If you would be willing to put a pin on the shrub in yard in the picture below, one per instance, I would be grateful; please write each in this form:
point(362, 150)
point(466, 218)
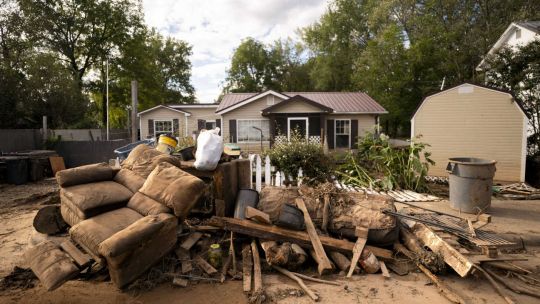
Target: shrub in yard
point(378, 165)
point(298, 153)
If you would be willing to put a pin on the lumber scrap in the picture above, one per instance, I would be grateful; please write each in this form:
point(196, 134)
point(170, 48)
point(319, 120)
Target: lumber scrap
point(324, 264)
point(362, 234)
point(191, 240)
point(512, 286)
point(298, 280)
point(301, 238)
point(257, 215)
point(225, 268)
point(180, 282)
point(257, 275)
point(342, 262)
point(308, 278)
point(384, 270)
point(204, 265)
point(461, 264)
point(82, 259)
point(247, 267)
point(496, 286)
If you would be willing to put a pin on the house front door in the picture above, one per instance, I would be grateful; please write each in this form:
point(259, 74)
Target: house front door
point(298, 124)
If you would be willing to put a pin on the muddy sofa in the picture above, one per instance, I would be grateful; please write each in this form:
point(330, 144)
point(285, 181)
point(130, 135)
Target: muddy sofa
point(123, 219)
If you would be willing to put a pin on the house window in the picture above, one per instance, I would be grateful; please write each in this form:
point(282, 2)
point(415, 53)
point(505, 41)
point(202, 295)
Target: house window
point(343, 133)
point(210, 125)
point(247, 132)
point(518, 33)
point(162, 127)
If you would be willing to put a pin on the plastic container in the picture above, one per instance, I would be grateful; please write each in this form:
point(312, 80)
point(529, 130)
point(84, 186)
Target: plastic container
point(471, 182)
point(123, 152)
point(245, 198)
point(215, 255)
point(166, 144)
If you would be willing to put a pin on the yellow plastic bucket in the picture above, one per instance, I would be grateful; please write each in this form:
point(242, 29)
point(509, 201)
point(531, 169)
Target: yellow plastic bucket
point(166, 144)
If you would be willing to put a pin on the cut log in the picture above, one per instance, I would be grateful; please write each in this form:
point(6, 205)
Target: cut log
point(428, 258)
point(204, 265)
point(191, 240)
point(257, 215)
point(82, 259)
point(301, 238)
point(323, 261)
point(342, 262)
point(361, 233)
point(48, 220)
point(257, 275)
point(247, 265)
point(369, 262)
point(293, 277)
point(286, 254)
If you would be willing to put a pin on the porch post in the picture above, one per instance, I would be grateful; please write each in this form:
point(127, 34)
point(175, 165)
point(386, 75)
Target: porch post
point(272, 129)
point(323, 128)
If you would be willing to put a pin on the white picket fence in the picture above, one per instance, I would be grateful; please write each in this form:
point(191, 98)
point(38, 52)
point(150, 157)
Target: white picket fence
point(269, 173)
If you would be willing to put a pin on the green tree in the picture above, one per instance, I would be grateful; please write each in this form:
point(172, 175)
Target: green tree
point(518, 71)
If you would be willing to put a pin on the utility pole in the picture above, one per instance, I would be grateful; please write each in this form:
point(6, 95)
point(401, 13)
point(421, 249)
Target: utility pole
point(107, 95)
point(134, 104)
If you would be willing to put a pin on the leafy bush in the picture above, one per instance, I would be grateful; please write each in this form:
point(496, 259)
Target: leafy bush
point(378, 165)
point(298, 153)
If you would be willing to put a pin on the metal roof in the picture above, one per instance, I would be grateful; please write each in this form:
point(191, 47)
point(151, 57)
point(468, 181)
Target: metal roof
point(530, 25)
point(339, 102)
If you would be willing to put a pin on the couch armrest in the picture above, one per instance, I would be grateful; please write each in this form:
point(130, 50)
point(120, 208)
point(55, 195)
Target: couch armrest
point(134, 235)
point(84, 175)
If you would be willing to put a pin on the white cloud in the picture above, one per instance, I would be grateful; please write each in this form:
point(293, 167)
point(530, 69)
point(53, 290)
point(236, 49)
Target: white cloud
point(215, 28)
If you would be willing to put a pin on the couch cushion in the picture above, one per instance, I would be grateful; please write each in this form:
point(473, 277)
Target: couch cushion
point(146, 206)
point(69, 216)
point(129, 179)
point(88, 200)
point(84, 175)
point(173, 187)
point(91, 232)
point(143, 159)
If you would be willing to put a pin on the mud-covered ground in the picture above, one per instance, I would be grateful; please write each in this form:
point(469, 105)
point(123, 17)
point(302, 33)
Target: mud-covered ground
point(19, 204)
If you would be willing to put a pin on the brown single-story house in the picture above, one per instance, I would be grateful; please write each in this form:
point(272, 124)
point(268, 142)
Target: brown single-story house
point(474, 121)
point(337, 117)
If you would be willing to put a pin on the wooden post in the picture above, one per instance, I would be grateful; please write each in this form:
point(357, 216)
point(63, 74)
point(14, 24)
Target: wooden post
point(322, 259)
point(361, 233)
point(257, 275)
point(134, 109)
point(247, 265)
point(267, 173)
point(258, 174)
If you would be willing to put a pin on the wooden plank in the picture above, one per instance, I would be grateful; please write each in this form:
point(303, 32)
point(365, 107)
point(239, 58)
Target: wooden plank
point(257, 274)
point(204, 265)
point(180, 282)
point(57, 163)
point(384, 270)
point(82, 259)
point(361, 233)
point(322, 259)
point(301, 238)
point(191, 240)
point(247, 267)
point(257, 215)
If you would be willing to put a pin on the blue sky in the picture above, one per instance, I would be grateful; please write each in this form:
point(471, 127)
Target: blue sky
point(214, 28)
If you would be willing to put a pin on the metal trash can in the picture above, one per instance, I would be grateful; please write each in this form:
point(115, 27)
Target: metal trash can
point(471, 181)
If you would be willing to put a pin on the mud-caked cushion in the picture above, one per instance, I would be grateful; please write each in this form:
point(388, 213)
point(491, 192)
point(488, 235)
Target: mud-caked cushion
point(91, 232)
point(89, 200)
point(174, 188)
point(146, 206)
point(84, 175)
point(129, 179)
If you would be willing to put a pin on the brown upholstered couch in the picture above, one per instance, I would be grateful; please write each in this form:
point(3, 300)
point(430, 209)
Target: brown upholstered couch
point(124, 219)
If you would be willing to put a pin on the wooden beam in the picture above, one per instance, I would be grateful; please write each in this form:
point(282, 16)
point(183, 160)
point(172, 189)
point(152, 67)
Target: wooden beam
point(205, 266)
point(301, 238)
point(323, 261)
point(257, 216)
point(257, 275)
point(191, 240)
point(362, 234)
point(247, 263)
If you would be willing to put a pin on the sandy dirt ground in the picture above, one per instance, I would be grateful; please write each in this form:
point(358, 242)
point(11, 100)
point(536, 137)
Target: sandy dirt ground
point(18, 206)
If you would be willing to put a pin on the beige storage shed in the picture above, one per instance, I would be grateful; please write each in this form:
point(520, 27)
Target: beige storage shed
point(474, 121)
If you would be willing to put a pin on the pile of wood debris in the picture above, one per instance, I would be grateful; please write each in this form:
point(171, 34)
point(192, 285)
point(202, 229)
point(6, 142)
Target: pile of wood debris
point(225, 248)
point(517, 191)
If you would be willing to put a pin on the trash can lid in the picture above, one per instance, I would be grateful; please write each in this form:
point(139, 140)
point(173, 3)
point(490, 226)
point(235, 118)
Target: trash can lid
point(472, 161)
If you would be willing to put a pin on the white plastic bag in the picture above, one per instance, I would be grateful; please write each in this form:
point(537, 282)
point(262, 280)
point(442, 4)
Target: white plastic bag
point(209, 149)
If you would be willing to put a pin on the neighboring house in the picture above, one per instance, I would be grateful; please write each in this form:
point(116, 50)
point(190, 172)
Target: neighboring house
point(180, 120)
point(337, 117)
point(517, 34)
point(474, 121)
